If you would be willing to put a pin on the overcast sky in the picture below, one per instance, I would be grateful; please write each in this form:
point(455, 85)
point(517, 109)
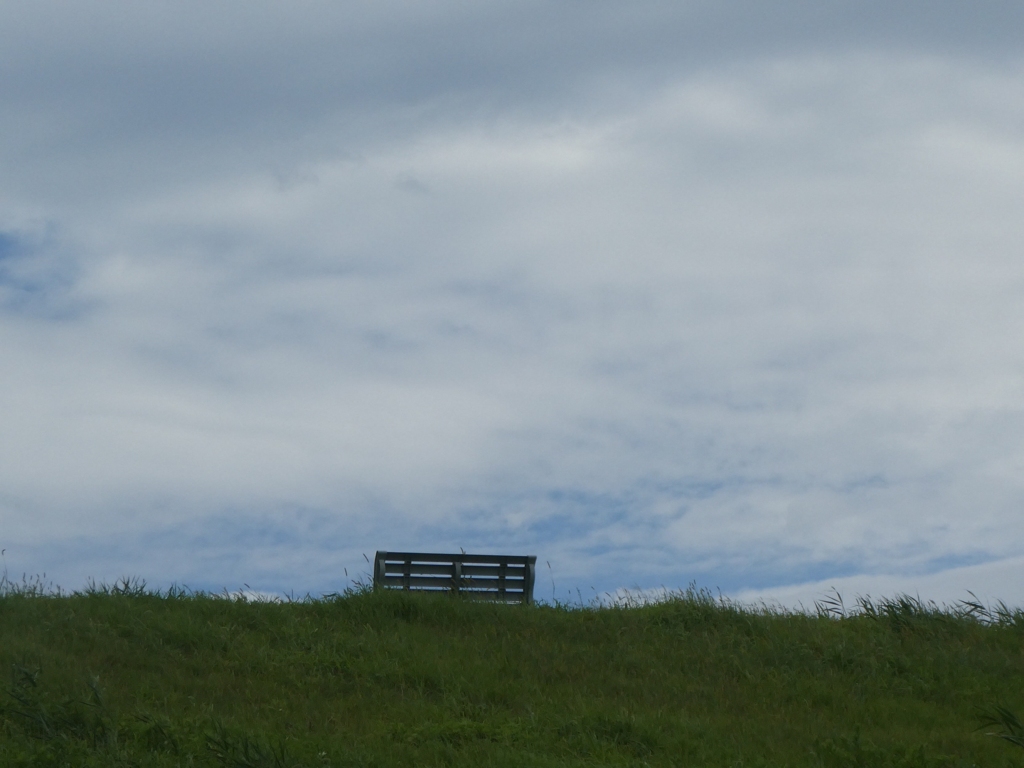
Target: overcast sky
point(661, 292)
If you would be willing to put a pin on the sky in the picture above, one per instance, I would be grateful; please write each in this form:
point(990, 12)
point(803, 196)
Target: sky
point(663, 293)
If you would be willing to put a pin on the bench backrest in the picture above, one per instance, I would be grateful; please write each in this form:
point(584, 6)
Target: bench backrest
point(500, 578)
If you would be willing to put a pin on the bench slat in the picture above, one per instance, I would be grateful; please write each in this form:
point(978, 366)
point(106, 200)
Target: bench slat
point(445, 582)
point(422, 557)
point(511, 572)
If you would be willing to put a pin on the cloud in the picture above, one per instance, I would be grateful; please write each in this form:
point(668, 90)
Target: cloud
point(988, 583)
point(663, 293)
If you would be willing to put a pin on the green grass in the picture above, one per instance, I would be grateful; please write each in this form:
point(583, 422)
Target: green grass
point(122, 676)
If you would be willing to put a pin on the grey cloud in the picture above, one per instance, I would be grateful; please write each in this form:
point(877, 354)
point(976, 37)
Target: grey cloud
point(99, 96)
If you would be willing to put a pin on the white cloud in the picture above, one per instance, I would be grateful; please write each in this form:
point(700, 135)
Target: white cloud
point(988, 584)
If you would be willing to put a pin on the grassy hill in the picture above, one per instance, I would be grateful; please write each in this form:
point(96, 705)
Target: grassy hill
point(121, 676)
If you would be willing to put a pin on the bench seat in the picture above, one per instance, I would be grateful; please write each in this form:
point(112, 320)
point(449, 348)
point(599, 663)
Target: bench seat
point(497, 578)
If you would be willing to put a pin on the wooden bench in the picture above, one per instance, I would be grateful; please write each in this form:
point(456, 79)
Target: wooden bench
point(498, 578)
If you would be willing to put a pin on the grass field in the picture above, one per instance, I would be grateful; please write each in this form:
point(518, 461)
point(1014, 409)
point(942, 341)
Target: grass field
point(125, 677)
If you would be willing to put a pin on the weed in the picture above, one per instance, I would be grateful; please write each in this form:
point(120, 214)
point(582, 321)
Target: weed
point(856, 752)
point(1012, 730)
point(41, 717)
point(239, 750)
